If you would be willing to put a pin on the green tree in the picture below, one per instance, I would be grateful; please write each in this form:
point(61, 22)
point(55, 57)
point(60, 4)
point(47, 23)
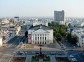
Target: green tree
point(59, 30)
point(72, 38)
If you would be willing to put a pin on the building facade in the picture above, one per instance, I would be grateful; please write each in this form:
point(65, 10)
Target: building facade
point(1, 42)
point(38, 22)
point(7, 33)
point(80, 36)
point(59, 17)
point(40, 34)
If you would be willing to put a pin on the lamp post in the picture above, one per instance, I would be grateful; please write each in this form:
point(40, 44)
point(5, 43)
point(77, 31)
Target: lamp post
point(40, 49)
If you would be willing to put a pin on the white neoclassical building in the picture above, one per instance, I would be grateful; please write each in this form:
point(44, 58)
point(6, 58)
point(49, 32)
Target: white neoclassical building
point(40, 34)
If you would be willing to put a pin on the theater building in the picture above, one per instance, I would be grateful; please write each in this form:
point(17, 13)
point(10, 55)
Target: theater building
point(40, 34)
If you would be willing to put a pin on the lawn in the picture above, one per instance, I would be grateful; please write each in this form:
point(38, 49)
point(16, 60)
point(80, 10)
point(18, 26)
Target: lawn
point(34, 59)
point(46, 59)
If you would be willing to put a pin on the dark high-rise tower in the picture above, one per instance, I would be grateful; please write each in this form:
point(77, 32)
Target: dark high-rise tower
point(59, 16)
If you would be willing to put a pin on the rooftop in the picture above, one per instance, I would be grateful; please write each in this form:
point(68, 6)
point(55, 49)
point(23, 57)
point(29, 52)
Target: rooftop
point(40, 27)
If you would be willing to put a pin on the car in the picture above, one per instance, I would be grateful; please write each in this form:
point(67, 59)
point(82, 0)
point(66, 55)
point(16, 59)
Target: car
point(71, 56)
point(37, 53)
point(74, 59)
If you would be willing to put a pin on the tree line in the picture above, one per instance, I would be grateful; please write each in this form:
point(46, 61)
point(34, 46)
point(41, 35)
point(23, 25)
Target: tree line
point(61, 31)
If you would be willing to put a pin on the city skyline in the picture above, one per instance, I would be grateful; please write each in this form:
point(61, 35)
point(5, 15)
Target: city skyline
point(26, 8)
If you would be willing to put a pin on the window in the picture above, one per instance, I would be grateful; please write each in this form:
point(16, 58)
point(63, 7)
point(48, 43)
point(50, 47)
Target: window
point(35, 35)
point(35, 38)
point(38, 38)
point(35, 42)
point(3, 38)
point(45, 38)
point(43, 35)
point(38, 42)
point(45, 42)
point(38, 35)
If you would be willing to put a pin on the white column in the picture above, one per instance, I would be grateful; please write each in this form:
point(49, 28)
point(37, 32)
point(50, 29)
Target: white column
point(33, 38)
point(1, 41)
point(39, 38)
point(43, 38)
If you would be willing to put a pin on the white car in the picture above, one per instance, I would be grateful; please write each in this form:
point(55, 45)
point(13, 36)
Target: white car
point(71, 56)
point(74, 59)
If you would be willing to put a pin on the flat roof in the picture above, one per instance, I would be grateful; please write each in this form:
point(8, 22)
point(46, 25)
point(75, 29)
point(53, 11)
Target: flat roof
point(40, 27)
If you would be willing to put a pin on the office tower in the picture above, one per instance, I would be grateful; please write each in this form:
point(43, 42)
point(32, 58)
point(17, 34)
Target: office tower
point(59, 16)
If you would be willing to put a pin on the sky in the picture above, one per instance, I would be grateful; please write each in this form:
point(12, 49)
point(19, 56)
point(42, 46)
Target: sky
point(26, 8)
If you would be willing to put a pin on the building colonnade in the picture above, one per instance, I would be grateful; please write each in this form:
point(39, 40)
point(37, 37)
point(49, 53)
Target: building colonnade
point(40, 38)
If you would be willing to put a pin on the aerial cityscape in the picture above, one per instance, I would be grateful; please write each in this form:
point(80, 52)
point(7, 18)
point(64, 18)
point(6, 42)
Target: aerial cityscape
point(41, 31)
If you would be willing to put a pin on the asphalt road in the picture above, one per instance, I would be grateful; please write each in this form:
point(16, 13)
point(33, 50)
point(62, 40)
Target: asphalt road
point(43, 52)
point(7, 52)
point(76, 54)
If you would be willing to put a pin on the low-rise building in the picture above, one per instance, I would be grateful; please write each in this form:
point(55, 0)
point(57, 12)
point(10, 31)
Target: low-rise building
point(5, 20)
point(12, 32)
point(80, 36)
point(1, 43)
point(18, 29)
point(38, 22)
point(5, 33)
point(8, 32)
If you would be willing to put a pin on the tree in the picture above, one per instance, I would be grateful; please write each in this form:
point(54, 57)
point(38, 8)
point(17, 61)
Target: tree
point(26, 34)
point(69, 25)
point(59, 30)
point(72, 38)
point(58, 36)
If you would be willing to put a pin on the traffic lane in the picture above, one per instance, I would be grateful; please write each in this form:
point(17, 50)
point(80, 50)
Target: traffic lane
point(38, 52)
point(50, 52)
point(11, 40)
point(73, 52)
point(78, 55)
point(13, 45)
point(9, 51)
point(68, 44)
point(16, 40)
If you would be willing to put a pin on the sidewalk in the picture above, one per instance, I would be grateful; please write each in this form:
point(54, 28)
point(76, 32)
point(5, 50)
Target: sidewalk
point(28, 58)
point(52, 58)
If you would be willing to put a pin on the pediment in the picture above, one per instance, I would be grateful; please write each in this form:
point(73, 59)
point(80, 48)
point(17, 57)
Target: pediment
point(40, 31)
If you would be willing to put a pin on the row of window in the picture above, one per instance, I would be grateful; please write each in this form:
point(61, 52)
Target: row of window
point(40, 38)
